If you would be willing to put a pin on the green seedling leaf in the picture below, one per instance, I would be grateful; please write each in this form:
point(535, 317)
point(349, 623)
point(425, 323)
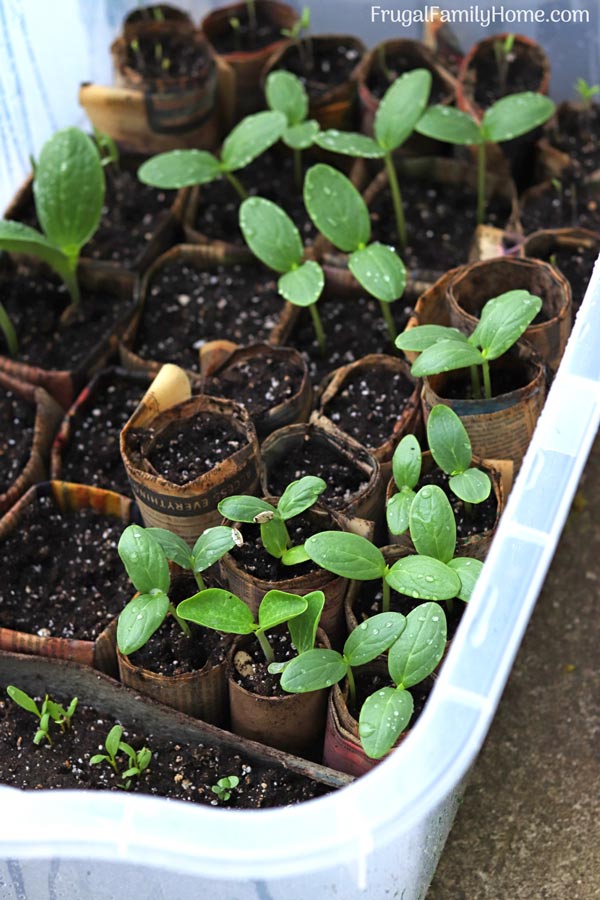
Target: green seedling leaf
point(383, 717)
point(349, 143)
point(446, 356)
point(294, 556)
point(277, 607)
point(373, 637)
point(468, 570)
point(242, 508)
point(444, 123)
point(336, 208)
point(300, 495)
point(401, 108)
point(213, 544)
point(397, 510)
point(423, 577)
point(512, 116)
point(285, 93)
point(144, 758)
point(23, 700)
point(251, 138)
point(503, 320)
point(380, 271)
point(432, 524)
point(144, 560)
point(43, 733)
point(302, 136)
point(180, 168)
point(424, 336)
point(174, 547)
point(113, 740)
point(345, 554)
point(313, 671)
point(217, 609)
point(406, 462)
point(274, 536)
point(18, 238)
point(270, 234)
point(472, 486)
point(448, 440)
point(303, 628)
point(420, 647)
point(140, 619)
point(304, 285)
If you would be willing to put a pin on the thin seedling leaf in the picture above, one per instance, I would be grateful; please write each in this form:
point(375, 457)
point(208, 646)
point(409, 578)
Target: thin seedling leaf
point(446, 356)
point(303, 628)
point(444, 123)
point(313, 671)
point(175, 548)
point(277, 607)
point(212, 544)
point(380, 271)
point(349, 143)
point(180, 168)
point(144, 560)
point(401, 108)
point(448, 440)
point(503, 320)
point(294, 556)
point(373, 637)
point(140, 619)
point(274, 536)
point(432, 524)
point(270, 234)
point(23, 700)
point(242, 508)
point(336, 208)
point(285, 93)
point(420, 647)
point(423, 577)
point(300, 495)
point(424, 336)
point(512, 116)
point(217, 609)
point(406, 462)
point(250, 138)
point(345, 554)
point(397, 510)
point(383, 717)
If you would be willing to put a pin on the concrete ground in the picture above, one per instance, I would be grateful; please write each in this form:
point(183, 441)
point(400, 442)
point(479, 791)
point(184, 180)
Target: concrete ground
point(529, 824)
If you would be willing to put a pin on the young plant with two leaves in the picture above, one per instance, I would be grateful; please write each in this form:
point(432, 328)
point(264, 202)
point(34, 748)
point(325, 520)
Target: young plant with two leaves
point(503, 320)
point(48, 714)
point(286, 94)
point(138, 760)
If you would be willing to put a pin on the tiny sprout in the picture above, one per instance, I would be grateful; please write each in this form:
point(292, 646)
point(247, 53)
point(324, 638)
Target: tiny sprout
point(138, 760)
point(502, 52)
point(450, 447)
point(235, 25)
point(302, 24)
point(107, 147)
point(586, 92)
point(225, 786)
point(50, 712)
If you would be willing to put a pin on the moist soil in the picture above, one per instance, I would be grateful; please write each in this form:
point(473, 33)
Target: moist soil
point(260, 383)
point(166, 56)
point(523, 74)
point(66, 579)
point(245, 38)
point(92, 454)
point(344, 479)
point(176, 771)
point(254, 559)
point(483, 515)
point(577, 135)
point(189, 448)
point(322, 67)
point(370, 598)
point(250, 668)
point(576, 264)
point(369, 404)
point(397, 63)
point(186, 307)
point(16, 437)
point(568, 207)
point(35, 303)
point(354, 327)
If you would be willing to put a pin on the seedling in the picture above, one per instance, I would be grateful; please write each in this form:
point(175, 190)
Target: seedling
point(107, 148)
point(412, 658)
point(138, 760)
point(223, 611)
point(502, 322)
point(251, 12)
point(397, 115)
point(304, 45)
point(225, 786)
point(340, 213)
point(235, 25)
point(406, 471)
point(508, 118)
point(303, 629)
point(68, 189)
point(297, 498)
point(212, 544)
point(275, 240)
point(586, 92)
point(504, 57)
point(286, 94)
point(185, 168)
point(49, 712)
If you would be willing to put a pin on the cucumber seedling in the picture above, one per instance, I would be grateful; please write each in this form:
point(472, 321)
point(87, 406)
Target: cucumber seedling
point(212, 544)
point(286, 94)
point(138, 760)
point(49, 712)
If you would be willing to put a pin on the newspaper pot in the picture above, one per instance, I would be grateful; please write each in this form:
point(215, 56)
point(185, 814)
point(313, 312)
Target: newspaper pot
point(69, 498)
point(247, 65)
point(475, 284)
point(409, 420)
point(334, 107)
point(47, 416)
point(294, 723)
point(548, 244)
point(252, 589)
point(187, 509)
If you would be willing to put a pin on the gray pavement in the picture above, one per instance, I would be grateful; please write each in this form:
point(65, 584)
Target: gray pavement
point(529, 824)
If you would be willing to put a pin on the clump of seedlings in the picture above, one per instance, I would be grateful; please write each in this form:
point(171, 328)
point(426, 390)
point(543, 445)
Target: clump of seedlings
point(138, 760)
point(49, 713)
point(443, 349)
point(286, 94)
point(224, 787)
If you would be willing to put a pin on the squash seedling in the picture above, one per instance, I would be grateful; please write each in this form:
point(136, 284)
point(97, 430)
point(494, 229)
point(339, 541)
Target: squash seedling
point(339, 212)
point(297, 498)
point(286, 94)
point(274, 239)
point(443, 349)
point(508, 118)
point(400, 109)
point(406, 471)
point(212, 544)
point(185, 168)
point(224, 787)
point(138, 760)
point(303, 629)
point(49, 712)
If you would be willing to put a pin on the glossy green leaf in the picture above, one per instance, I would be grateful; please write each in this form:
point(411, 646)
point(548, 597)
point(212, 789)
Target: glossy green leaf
point(180, 168)
point(294, 556)
point(383, 717)
point(401, 108)
point(113, 740)
point(274, 536)
point(472, 486)
point(420, 647)
point(336, 208)
point(175, 548)
point(468, 570)
point(349, 143)
point(285, 93)
point(301, 136)
point(424, 336)
point(313, 671)
point(373, 637)
point(23, 700)
point(242, 508)
point(446, 356)
point(304, 285)
point(303, 628)
point(144, 560)
point(270, 234)
point(423, 577)
point(217, 609)
point(432, 524)
point(300, 495)
point(406, 462)
point(250, 138)
point(345, 554)
point(444, 123)
point(448, 440)
point(212, 544)
point(515, 115)
point(503, 320)
point(140, 619)
point(380, 271)
point(398, 509)
point(277, 607)
point(18, 238)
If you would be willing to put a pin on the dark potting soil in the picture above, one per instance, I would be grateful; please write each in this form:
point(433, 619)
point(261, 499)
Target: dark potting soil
point(35, 303)
point(66, 578)
point(178, 771)
point(312, 457)
point(259, 383)
point(440, 222)
point(321, 67)
point(190, 447)
point(577, 134)
point(369, 682)
point(483, 515)
point(250, 668)
point(397, 62)
point(92, 455)
point(370, 598)
point(246, 38)
point(576, 264)
point(16, 436)
point(165, 57)
point(186, 307)
point(522, 74)
point(504, 381)
point(353, 328)
point(369, 404)
point(568, 206)
point(254, 559)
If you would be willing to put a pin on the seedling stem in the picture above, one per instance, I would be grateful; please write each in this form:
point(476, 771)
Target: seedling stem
point(397, 201)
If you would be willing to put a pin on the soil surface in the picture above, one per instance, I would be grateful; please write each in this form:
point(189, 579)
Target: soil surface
point(66, 579)
point(321, 68)
point(187, 307)
point(565, 206)
point(177, 771)
point(254, 559)
point(190, 447)
point(369, 603)
point(577, 135)
point(523, 73)
point(250, 668)
point(576, 264)
point(483, 515)
point(165, 57)
point(92, 455)
point(16, 437)
point(369, 405)
point(246, 38)
point(260, 383)
point(397, 62)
